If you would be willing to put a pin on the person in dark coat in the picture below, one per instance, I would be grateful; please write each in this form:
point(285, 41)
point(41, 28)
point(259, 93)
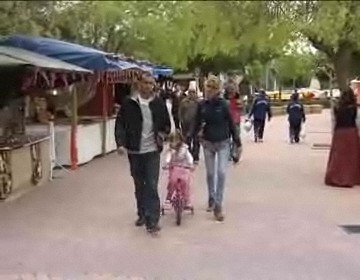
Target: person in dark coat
point(188, 110)
point(176, 98)
point(141, 126)
point(296, 117)
point(160, 92)
point(259, 110)
point(343, 168)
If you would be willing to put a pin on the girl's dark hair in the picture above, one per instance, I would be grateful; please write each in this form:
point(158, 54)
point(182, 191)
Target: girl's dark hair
point(347, 98)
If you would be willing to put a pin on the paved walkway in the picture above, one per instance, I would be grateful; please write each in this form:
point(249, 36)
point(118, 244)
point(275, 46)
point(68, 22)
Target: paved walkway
point(281, 222)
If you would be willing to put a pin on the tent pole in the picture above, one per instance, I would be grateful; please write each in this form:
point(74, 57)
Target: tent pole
point(74, 127)
point(104, 117)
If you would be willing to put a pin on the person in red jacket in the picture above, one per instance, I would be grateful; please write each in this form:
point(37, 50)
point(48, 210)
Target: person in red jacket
point(235, 106)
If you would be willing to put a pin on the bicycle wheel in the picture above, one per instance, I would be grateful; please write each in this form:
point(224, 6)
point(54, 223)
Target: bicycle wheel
point(178, 212)
point(178, 207)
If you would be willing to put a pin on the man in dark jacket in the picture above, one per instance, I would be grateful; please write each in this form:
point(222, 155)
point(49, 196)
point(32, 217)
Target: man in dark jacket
point(260, 108)
point(188, 110)
point(176, 98)
point(141, 127)
point(296, 113)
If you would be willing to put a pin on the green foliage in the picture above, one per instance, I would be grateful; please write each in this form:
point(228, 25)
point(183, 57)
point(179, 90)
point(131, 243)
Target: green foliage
point(29, 17)
point(295, 67)
point(332, 28)
point(255, 71)
point(217, 35)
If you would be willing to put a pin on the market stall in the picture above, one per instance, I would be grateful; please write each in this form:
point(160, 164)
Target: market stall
point(25, 155)
point(94, 133)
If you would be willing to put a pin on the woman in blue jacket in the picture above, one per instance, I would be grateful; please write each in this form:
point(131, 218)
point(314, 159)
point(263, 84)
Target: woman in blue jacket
point(216, 128)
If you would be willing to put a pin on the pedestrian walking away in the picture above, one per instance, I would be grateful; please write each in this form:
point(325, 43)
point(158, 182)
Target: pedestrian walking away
point(296, 117)
point(188, 110)
point(260, 108)
point(216, 128)
point(141, 126)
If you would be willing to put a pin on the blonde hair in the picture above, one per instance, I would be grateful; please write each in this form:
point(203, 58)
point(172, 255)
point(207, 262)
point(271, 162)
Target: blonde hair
point(213, 82)
point(176, 138)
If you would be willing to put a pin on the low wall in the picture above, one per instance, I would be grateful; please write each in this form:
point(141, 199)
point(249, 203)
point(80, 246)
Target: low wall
point(309, 109)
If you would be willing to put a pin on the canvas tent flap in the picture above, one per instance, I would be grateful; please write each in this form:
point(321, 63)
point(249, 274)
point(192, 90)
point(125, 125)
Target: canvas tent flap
point(72, 53)
point(10, 61)
point(37, 60)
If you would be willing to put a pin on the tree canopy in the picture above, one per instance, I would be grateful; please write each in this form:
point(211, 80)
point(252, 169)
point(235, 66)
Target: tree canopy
point(217, 35)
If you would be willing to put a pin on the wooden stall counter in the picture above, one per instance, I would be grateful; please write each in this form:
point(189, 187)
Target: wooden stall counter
point(24, 163)
point(88, 142)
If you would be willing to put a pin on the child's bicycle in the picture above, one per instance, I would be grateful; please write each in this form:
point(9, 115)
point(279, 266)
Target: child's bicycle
point(177, 200)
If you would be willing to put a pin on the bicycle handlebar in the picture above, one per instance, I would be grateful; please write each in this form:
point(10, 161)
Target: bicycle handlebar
point(180, 166)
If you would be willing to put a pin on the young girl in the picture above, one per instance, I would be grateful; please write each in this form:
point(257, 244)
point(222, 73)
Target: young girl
point(180, 163)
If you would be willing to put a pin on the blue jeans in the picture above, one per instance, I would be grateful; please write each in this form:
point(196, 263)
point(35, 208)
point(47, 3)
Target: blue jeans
point(216, 161)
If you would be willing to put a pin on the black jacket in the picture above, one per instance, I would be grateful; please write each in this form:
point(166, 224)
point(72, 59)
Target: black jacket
point(176, 100)
point(296, 112)
point(260, 108)
point(215, 121)
point(345, 117)
point(128, 126)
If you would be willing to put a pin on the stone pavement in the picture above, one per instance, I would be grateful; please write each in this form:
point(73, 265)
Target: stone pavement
point(37, 276)
point(281, 223)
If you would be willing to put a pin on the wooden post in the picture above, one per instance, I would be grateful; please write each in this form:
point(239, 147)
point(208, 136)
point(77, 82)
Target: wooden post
point(104, 117)
point(74, 127)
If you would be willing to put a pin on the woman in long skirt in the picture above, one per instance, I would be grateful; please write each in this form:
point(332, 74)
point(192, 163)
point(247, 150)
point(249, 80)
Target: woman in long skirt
point(343, 168)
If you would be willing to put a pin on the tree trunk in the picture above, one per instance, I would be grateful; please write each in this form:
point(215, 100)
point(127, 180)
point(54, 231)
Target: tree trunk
point(342, 66)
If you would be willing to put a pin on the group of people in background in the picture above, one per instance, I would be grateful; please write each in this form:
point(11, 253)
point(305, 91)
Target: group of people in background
point(143, 124)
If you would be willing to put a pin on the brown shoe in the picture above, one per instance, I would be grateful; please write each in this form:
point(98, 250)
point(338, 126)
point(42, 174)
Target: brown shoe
point(218, 214)
point(211, 205)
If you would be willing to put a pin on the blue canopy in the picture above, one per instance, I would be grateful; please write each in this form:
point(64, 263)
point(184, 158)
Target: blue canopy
point(146, 65)
point(156, 70)
point(16, 56)
point(72, 53)
point(162, 71)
